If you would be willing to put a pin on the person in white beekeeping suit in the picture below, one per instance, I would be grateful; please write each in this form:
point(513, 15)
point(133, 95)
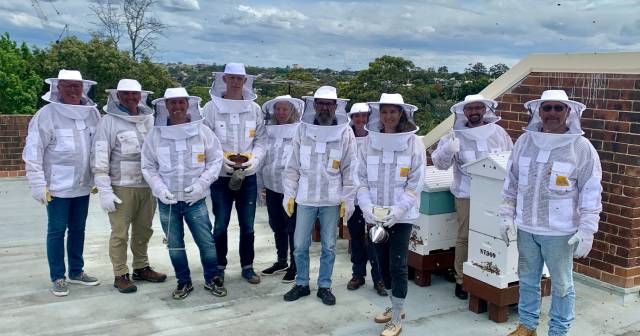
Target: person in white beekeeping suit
point(181, 157)
point(362, 250)
point(552, 198)
point(391, 176)
point(282, 117)
point(475, 135)
point(123, 192)
point(237, 121)
point(56, 155)
point(321, 178)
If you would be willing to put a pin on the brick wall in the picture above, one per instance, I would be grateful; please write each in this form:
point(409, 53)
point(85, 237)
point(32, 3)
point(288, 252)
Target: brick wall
point(612, 123)
point(13, 131)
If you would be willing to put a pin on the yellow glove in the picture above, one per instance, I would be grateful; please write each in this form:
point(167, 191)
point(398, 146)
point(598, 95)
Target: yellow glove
point(48, 194)
point(288, 205)
point(343, 209)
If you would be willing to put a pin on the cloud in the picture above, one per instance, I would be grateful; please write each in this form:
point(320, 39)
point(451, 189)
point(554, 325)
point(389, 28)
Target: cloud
point(181, 5)
point(23, 20)
point(269, 17)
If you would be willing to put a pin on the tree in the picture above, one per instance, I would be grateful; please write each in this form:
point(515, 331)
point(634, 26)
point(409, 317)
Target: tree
point(443, 70)
point(19, 83)
point(110, 18)
point(101, 61)
point(497, 70)
point(476, 71)
point(134, 16)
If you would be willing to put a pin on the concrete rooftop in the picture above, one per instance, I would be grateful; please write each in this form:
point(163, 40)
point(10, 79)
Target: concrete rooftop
point(28, 308)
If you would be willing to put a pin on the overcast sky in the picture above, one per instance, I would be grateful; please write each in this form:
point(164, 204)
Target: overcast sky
point(349, 34)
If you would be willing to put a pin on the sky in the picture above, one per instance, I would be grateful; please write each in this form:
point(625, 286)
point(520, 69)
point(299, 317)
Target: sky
point(350, 34)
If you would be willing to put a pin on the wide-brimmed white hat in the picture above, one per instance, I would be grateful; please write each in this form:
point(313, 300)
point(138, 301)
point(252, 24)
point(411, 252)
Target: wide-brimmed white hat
point(269, 107)
point(394, 99)
point(375, 124)
point(459, 107)
point(325, 92)
point(162, 113)
point(359, 108)
point(70, 75)
point(573, 119)
point(219, 87)
point(557, 96)
point(130, 85)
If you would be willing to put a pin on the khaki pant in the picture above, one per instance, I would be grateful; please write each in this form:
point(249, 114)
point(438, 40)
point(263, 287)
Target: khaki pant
point(137, 209)
point(462, 243)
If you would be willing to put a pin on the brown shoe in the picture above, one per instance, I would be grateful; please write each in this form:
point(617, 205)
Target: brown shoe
point(355, 283)
point(124, 284)
point(386, 316)
point(148, 274)
point(391, 329)
point(523, 331)
point(379, 288)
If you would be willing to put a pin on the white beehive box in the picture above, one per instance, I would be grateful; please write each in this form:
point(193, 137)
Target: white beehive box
point(437, 226)
point(490, 259)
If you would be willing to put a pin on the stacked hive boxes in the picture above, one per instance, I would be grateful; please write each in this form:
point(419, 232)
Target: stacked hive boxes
point(437, 227)
point(490, 259)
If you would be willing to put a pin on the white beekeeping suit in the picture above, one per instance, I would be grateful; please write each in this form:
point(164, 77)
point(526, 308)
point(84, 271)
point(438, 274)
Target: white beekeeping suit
point(238, 124)
point(391, 169)
point(465, 144)
point(118, 143)
point(180, 161)
point(557, 176)
point(279, 142)
point(322, 167)
point(57, 149)
point(358, 108)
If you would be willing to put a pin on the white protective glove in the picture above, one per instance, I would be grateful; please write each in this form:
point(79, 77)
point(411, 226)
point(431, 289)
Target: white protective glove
point(194, 193)
point(41, 194)
point(108, 201)
point(167, 197)
point(507, 228)
point(394, 216)
point(367, 213)
point(227, 166)
point(584, 243)
point(251, 165)
point(453, 146)
point(288, 204)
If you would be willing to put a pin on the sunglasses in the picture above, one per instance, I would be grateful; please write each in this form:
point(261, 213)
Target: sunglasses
point(557, 108)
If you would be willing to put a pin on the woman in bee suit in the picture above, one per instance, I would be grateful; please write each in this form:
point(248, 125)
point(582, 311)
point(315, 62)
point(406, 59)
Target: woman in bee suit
point(56, 155)
point(321, 178)
point(237, 121)
point(362, 250)
point(181, 157)
point(282, 116)
point(475, 135)
point(123, 193)
point(552, 198)
point(391, 177)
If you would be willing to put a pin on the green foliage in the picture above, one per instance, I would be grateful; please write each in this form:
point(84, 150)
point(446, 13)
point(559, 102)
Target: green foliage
point(19, 83)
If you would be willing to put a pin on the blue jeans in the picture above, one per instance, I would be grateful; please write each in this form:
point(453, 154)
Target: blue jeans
point(362, 249)
point(222, 199)
point(535, 251)
point(172, 218)
point(305, 220)
point(66, 215)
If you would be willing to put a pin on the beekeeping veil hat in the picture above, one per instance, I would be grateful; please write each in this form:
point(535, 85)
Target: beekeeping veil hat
point(479, 133)
point(287, 130)
point(391, 141)
point(52, 95)
point(219, 87)
point(162, 114)
point(324, 133)
point(552, 140)
point(131, 85)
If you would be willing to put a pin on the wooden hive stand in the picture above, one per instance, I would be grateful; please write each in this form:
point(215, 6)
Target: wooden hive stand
point(483, 297)
point(422, 266)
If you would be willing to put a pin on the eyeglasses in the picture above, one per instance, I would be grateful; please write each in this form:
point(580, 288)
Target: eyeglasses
point(557, 108)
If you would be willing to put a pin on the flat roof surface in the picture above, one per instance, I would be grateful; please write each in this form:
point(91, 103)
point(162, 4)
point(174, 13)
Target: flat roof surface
point(28, 308)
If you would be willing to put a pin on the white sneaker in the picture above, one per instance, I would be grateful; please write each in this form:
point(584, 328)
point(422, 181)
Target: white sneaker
point(391, 329)
point(386, 316)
